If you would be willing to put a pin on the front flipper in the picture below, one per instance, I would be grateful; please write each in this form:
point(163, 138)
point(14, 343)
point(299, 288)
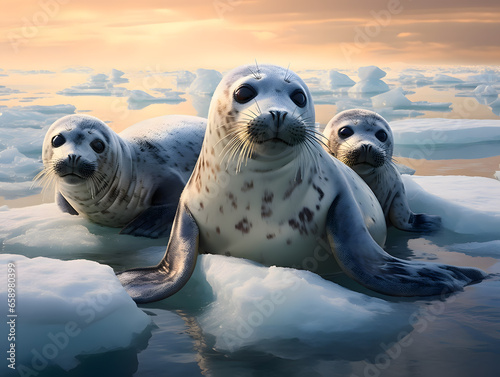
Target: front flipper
point(401, 216)
point(172, 273)
point(154, 222)
point(366, 262)
point(64, 205)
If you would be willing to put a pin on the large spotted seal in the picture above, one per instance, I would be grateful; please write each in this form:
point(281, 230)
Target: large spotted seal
point(132, 180)
point(363, 140)
point(266, 190)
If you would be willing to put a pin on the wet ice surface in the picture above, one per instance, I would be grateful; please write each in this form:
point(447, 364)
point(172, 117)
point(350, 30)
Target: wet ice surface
point(238, 318)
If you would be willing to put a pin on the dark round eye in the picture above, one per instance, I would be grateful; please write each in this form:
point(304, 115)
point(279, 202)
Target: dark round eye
point(244, 94)
point(97, 145)
point(58, 140)
point(299, 98)
point(345, 132)
point(381, 135)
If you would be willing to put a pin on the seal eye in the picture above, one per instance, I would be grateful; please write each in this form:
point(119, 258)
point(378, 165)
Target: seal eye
point(244, 94)
point(58, 140)
point(381, 135)
point(346, 132)
point(97, 145)
point(299, 98)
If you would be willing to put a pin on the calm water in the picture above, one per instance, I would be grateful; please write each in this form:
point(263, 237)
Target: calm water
point(456, 336)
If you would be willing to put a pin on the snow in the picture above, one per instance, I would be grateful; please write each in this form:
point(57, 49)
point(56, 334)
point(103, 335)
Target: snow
point(467, 205)
point(67, 309)
point(206, 81)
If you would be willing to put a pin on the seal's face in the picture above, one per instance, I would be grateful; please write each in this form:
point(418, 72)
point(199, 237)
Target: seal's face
point(361, 139)
point(76, 152)
point(262, 112)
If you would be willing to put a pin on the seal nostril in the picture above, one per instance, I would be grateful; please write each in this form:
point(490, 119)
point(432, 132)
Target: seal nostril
point(273, 114)
point(284, 115)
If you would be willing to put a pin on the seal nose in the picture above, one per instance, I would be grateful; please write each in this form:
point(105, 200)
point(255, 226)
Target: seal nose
point(278, 117)
point(73, 160)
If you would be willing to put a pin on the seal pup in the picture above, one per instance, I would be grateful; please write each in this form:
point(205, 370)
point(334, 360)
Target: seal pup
point(265, 189)
point(131, 180)
point(363, 140)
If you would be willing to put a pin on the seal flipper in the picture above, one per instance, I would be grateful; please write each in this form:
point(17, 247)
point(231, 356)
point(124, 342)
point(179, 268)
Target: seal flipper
point(172, 273)
point(403, 218)
point(64, 205)
point(154, 222)
point(366, 262)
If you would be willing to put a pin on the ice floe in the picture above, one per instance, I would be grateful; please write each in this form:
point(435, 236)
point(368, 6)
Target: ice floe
point(206, 81)
point(97, 85)
point(370, 81)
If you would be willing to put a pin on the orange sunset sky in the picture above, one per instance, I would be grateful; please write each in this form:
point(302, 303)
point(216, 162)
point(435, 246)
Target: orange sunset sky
point(188, 34)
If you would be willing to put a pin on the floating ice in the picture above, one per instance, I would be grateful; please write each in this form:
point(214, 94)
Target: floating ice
point(139, 99)
point(445, 79)
point(33, 116)
point(44, 230)
point(67, 309)
point(436, 131)
point(467, 205)
point(370, 81)
point(415, 78)
point(396, 99)
point(78, 69)
point(206, 81)
point(4, 91)
point(184, 79)
point(255, 304)
point(485, 90)
point(487, 76)
point(16, 174)
point(32, 72)
point(116, 77)
point(97, 85)
point(338, 79)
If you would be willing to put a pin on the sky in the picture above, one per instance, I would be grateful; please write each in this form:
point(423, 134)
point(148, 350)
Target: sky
point(220, 34)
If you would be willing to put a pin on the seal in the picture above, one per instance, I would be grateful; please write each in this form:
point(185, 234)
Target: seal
point(265, 189)
point(363, 140)
point(132, 180)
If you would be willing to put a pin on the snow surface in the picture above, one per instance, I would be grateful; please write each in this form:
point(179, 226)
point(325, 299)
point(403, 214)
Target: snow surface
point(66, 309)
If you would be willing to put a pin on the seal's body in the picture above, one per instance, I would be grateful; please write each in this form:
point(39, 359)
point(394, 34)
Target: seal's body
point(265, 189)
point(132, 180)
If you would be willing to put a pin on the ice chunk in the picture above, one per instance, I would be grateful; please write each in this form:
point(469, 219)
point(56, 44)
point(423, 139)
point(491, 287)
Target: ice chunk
point(371, 73)
point(67, 309)
point(206, 81)
point(415, 78)
point(255, 304)
point(487, 76)
point(338, 79)
point(436, 131)
point(139, 99)
point(116, 77)
point(16, 174)
point(370, 81)
point(485, 90)
point(394, 98)
point(97, 85)
point(440, 78)
point(467, 205)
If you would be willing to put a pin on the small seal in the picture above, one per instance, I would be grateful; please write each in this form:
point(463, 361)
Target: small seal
point(131, 180)
point(363, 140)
point(265, 189)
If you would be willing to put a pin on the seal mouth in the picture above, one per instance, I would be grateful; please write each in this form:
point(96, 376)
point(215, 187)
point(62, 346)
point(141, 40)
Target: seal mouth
point(275, 140)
